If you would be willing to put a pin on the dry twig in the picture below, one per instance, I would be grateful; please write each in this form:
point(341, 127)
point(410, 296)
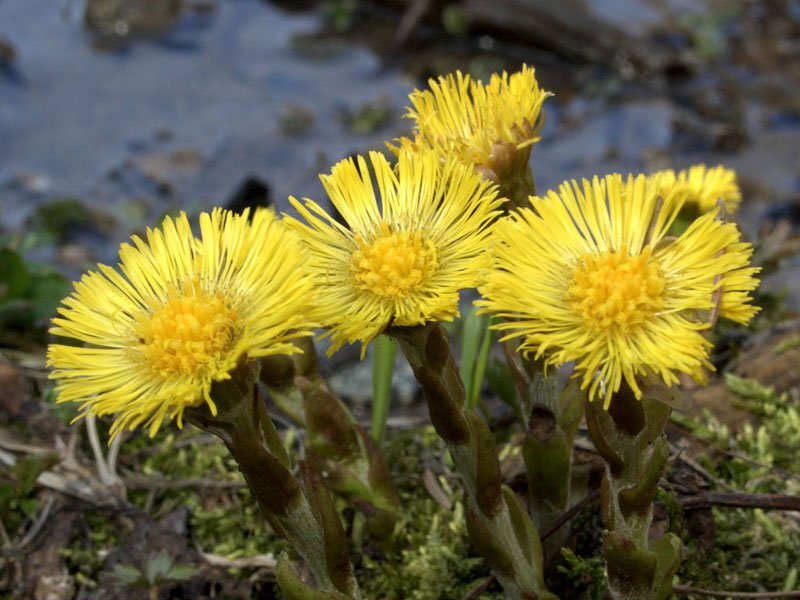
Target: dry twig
point(678, 454)
point(476, 592)
point(573, 510)
point(687, 590)
point(412, 17)
point(38, 525)
point(741, 500)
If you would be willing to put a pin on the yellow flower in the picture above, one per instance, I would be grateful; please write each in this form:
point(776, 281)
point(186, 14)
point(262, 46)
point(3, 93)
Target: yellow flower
point(587, 274)
point(400, 260)
point(703, 186)
point(476, 122)
point(178, 315)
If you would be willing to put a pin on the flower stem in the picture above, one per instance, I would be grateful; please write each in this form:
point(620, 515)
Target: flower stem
point(630, 437)
point(299, 509)
point(510, 169)
point(551, 418)
point(498, 526)
point(518, 189)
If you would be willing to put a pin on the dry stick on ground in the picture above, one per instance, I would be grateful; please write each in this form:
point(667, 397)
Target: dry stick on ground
point(687, 590)
point(574, 510)
point(715, 448)
point(741, 500)
point(677, 453)
point(704, 500)
point(412, 17)
point(41, 520)
point(476, 592)
point(260, 561)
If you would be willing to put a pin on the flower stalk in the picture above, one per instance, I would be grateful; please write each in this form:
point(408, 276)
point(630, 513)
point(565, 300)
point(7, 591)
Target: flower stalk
point(550, 415)
point(298, 508)
point(510, 169)
point(630, 437)
point(497, 524)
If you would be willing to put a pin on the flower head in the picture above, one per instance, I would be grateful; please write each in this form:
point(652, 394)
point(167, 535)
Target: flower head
point(483, 125)
point(702, 186)
point(400, 260)
point(178, 315)
point(587, 274)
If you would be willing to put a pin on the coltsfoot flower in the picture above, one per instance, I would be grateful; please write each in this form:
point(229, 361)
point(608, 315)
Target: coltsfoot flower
point(178, 315)
point(703, 186)
point(400, 260)
point(587, 274)
point(483, 125)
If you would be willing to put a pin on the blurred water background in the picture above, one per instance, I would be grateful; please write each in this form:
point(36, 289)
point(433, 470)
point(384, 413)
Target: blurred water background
point(115, 112)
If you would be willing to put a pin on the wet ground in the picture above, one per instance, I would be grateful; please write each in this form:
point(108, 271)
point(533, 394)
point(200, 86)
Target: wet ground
point(139, 108)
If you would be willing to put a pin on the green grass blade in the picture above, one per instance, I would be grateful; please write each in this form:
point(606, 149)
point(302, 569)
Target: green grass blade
point(479, 371)
point(472, 327)
point(384, 352)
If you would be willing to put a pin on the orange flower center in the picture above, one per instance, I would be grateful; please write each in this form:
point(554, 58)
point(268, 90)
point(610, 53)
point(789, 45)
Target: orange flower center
point(616, 290)
point(189, 331)
point(394, 264)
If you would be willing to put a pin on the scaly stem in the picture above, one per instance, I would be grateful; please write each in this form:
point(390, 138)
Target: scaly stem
point(630, 437)
point(498, 526)
point(518, 189)
point(510, 169)
point(551, 418)
point(298, 509)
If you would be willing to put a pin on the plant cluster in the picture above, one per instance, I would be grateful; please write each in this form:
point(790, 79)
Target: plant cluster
point(593, 274)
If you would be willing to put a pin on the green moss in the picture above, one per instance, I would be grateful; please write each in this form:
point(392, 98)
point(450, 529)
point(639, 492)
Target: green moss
point(586, 575)
point(429, 556)
point(753, 550)
point(787, 344)
point(435, 563)
point(224, 521)
point(775, 442)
